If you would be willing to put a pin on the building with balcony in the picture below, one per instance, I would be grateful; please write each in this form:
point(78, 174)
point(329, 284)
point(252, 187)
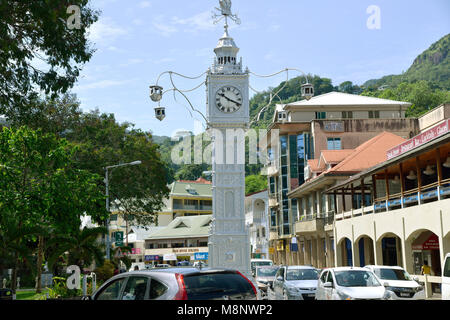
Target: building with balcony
point(314, 231)
point(300, 131)
point(407, 219)
point(257, 222)
point(179, 241)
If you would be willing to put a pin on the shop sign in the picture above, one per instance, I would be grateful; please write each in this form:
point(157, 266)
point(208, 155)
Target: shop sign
point(419, 140)
point(170, 257)
point(432, 243)
point(201, 256)
point(186, 250)
point(280, 245)
point(136, 251)
point(333, 126)
point(152, 258)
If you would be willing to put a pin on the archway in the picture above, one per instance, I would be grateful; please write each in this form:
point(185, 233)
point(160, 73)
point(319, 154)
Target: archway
point(389, 252)
point(364, 249)
point(345, 252)
point(425, 247)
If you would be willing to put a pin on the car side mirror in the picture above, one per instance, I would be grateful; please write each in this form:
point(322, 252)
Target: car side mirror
point(280, 278)
point(328, 285)
point(386, 284)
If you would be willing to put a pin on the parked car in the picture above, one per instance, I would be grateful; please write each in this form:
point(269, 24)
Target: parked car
point(398, 283)
point(349, 283)
point(177, 284)
point(183, 263)
point(295, 282)
point(446, 278)
point(259, 262)
point(264, 277)
point(140, 265)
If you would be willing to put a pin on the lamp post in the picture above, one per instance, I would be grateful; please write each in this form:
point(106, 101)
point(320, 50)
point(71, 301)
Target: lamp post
point(108, 240)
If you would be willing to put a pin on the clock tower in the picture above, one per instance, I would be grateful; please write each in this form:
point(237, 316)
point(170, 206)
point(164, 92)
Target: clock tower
point(228, 117)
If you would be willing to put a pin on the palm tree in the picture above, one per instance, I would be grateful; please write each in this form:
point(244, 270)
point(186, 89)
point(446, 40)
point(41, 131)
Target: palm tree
point(82, 247)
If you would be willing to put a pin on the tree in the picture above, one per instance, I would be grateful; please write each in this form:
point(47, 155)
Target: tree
point(41, 187)
point(255, 183)
point(422, 96)
point(82, 245)
point(42, 49)
point(136, 190)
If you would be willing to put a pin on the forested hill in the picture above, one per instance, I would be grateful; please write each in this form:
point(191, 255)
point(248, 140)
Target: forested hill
point(433, 65)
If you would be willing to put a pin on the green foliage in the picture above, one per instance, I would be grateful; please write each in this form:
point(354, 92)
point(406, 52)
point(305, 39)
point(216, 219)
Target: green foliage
point(291, 93)
point(59, 289)
point(82, 246)
point(422, 96)
point(105, 271)
point(39, 51)
point(255, 183)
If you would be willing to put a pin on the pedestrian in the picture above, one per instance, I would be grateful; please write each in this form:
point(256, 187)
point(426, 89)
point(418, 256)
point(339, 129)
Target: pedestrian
point(426, 268)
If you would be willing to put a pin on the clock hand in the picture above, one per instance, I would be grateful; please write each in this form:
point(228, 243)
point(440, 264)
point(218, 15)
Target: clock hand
point(231, 100)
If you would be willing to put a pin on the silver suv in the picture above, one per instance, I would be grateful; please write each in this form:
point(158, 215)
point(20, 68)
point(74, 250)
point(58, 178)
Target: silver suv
point(177, 284)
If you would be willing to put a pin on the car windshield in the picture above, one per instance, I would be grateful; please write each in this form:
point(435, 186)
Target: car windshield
point(302, 274)
point(261, 263)
point(392, 274)
point(356, 278)
point(266, 272)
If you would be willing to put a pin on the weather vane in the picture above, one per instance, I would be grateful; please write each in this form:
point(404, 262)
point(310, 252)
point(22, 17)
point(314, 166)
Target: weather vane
point(225, 12)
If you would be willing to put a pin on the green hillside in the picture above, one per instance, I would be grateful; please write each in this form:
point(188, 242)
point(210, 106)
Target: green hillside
point(433, 66)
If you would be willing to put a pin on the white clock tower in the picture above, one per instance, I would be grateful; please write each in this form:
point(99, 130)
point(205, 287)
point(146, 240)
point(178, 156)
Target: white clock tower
point(228, 113)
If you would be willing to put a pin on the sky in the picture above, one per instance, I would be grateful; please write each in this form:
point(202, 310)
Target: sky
point(137, 40)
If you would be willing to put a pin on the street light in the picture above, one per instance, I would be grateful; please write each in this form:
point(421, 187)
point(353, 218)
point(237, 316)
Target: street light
point(108, 240)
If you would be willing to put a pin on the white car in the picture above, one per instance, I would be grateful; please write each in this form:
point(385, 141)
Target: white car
point(295, 283)
point(446, 278)
point(398, 283)
point(349, 283)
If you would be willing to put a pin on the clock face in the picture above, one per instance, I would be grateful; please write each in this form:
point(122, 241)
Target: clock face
point(228, 99)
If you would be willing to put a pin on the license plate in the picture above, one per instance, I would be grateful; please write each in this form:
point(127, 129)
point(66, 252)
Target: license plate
point(311, 295)
point(404, 295)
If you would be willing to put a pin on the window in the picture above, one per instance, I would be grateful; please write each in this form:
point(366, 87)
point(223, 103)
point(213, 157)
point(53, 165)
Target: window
point(446, 272)
point(135, 289)
point(321, 115)
point(330, 277)
point(347, 114)
point(112, 291)
point(334, 143)
point(374, 114)
point(323, 278)
point(157, 289)
point(216, 285)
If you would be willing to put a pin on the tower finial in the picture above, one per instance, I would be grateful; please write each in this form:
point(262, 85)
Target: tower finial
point(225, 12)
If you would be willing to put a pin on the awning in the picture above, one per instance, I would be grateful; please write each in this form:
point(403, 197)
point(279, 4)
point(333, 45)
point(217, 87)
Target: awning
point(426, 241)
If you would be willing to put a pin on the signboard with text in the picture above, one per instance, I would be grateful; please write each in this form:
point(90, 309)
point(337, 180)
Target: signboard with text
point(419, 140)
point(201, 256)
point(119, 238)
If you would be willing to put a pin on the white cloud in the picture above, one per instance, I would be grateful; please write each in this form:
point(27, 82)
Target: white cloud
point(145, 4)
point(102, 84)
point(105, 31)
point(162, 27)
point(201, 21)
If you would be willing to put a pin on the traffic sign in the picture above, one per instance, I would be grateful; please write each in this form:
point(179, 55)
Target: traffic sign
point(119, 238)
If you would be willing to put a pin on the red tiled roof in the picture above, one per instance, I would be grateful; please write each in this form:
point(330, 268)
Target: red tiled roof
point(333, 156)
point(369, 154)
point(314, 164)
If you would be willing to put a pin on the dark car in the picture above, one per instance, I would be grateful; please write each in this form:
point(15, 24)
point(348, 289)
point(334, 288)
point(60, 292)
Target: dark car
point(177, 284)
